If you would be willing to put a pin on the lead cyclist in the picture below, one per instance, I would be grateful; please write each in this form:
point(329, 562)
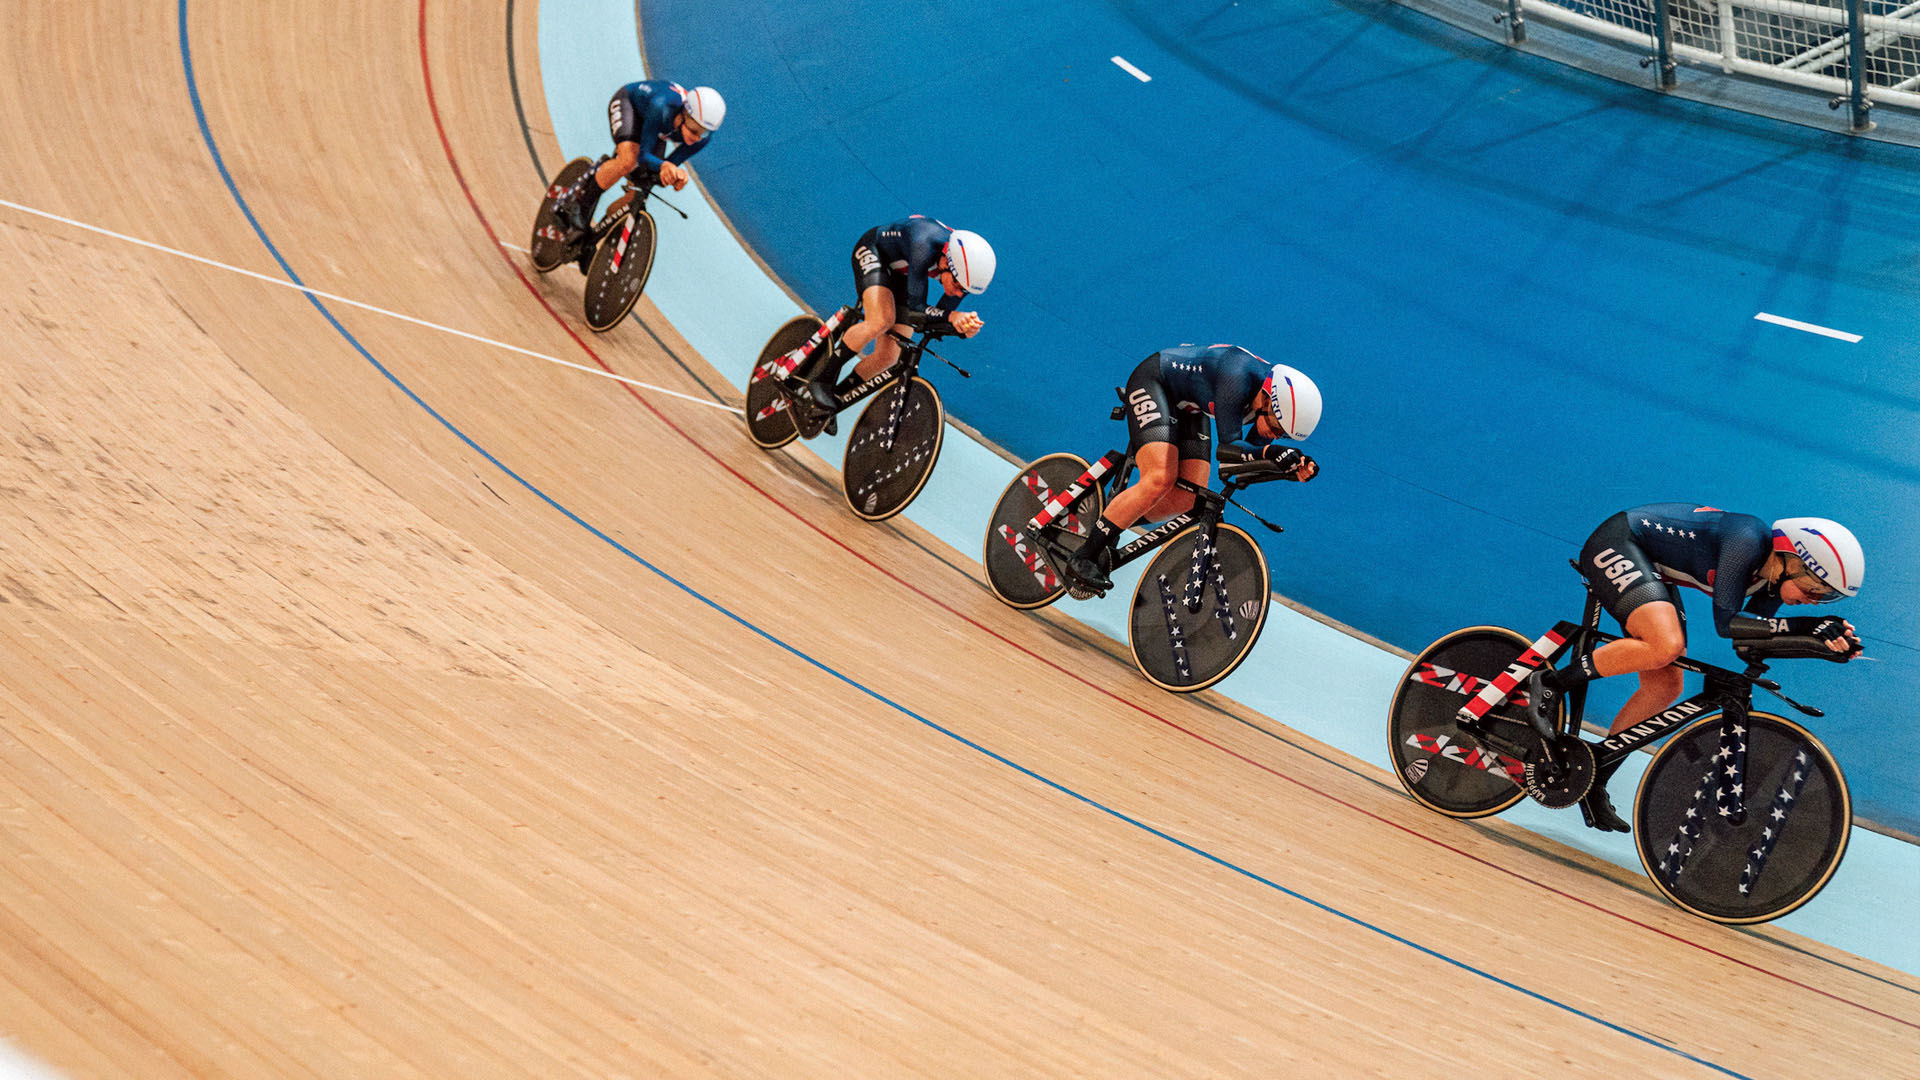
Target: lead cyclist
point(1634, 562)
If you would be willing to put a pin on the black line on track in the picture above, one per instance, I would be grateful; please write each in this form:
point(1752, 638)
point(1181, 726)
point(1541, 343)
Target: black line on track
point(519, 107)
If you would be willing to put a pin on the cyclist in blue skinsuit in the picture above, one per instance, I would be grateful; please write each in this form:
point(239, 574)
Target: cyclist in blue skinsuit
point(642, 118)
point(1636, 559)
point(1170, 397)
point(893, 268)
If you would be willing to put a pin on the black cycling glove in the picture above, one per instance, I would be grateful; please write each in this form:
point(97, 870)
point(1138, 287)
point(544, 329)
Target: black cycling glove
point(1288, 459)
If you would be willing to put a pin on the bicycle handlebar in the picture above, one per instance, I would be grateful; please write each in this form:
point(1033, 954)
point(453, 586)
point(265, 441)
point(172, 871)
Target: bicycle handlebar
point(1787, 647)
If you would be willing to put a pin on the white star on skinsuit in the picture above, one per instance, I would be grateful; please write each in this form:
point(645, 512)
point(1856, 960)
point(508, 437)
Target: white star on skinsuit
point(1673, 849)
point(1778, 813)
point(1768, 833)
point(1725, 752)
point(1738, 730)
point(1726, 812)
point(1737, 787)
point(1693, 536)
point(1644, 521)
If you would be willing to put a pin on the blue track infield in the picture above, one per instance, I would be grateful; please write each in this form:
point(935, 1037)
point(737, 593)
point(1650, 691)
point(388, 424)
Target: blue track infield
point(1528, 293)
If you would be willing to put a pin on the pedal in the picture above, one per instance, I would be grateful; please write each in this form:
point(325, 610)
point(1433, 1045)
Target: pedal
point(1565, 779)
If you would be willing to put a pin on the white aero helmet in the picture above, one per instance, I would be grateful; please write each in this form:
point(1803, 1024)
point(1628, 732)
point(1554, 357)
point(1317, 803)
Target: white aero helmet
point(1829, 551)
point(706, 107)
point(1296, 401)
point(972, 260)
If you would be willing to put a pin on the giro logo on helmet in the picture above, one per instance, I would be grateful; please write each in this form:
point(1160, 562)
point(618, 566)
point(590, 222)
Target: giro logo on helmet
point(1827, 549)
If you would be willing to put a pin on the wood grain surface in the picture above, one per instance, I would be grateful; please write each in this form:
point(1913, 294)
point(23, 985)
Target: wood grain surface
point(437, 711)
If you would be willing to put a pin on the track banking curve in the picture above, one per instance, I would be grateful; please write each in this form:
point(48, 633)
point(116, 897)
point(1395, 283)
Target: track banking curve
point(1528, 293)
point(336, 747)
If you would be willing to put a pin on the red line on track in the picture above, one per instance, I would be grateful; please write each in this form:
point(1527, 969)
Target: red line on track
point(453, 162)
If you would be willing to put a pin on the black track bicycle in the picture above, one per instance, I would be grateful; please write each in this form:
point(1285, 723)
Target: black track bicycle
point(894, 444)
point(1202, 602)
point(619, 248)
point(1742, 815)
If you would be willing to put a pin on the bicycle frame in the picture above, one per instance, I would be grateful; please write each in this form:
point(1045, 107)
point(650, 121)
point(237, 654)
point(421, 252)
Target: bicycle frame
point(620, 215)
point(1111, 473)
point(901, 370)
point(1728, 691)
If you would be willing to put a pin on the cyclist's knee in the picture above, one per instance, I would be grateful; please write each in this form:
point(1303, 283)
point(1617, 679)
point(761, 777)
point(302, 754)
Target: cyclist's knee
point(1158, 479)
point(1667, 647)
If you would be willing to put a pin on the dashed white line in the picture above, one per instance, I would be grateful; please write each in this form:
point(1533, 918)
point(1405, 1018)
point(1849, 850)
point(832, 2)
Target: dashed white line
point(1131, 70)
point(338, 299)
point(1796, 324)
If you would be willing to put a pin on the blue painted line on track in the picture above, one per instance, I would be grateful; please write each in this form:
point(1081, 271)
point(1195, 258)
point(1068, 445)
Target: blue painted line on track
point(213, 149)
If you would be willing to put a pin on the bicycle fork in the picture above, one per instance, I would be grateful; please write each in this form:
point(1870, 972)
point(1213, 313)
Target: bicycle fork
point(1203, 571)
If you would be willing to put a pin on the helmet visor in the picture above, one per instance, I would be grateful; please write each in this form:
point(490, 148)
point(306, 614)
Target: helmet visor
point(1811, 584)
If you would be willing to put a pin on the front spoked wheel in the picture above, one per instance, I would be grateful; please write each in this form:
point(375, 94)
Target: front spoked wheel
point(1742, 823)
point(619, 271)
point(1018, 571)
point(769, 413)
point(1199, 608)
point(548, 249)
point(1444, 768)
point(892, 449)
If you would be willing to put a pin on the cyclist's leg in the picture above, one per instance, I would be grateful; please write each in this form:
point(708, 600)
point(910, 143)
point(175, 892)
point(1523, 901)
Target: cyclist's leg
point(623, 127)
point(876, 303)
point(1650, 614)
point(1658, 637)
point(625, 159)
point(1623, 580)
point(873, 285)
point(1152, 438)
point(1193, 438)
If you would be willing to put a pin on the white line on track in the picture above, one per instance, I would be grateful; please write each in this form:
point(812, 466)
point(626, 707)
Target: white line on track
point(513, 247)
point(1131, 70)
point(284, 283)
point(1823, 331)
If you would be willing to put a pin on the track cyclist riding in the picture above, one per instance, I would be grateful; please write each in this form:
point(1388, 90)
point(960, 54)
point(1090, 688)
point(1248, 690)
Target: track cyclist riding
point(1635, 560)
point(643, 117)
point(892, 268)
point(1169, 398)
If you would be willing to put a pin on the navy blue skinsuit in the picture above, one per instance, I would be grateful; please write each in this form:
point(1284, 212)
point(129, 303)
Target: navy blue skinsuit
point(901, 257)
point(1689, 544)
point(644, 112)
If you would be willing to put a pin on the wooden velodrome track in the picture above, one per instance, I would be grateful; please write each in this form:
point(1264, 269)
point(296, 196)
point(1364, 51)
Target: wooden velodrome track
point(329, 746)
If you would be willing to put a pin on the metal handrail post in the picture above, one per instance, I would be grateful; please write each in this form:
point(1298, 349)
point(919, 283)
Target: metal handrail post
point(1516, 23)
point(1857, 66)
point(1663, 43)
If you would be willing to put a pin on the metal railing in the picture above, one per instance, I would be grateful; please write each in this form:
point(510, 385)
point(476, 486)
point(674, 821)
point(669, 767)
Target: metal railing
point(1858, 53)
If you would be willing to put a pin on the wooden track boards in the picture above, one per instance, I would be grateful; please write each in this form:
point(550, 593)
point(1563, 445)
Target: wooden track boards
point(328, 747)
